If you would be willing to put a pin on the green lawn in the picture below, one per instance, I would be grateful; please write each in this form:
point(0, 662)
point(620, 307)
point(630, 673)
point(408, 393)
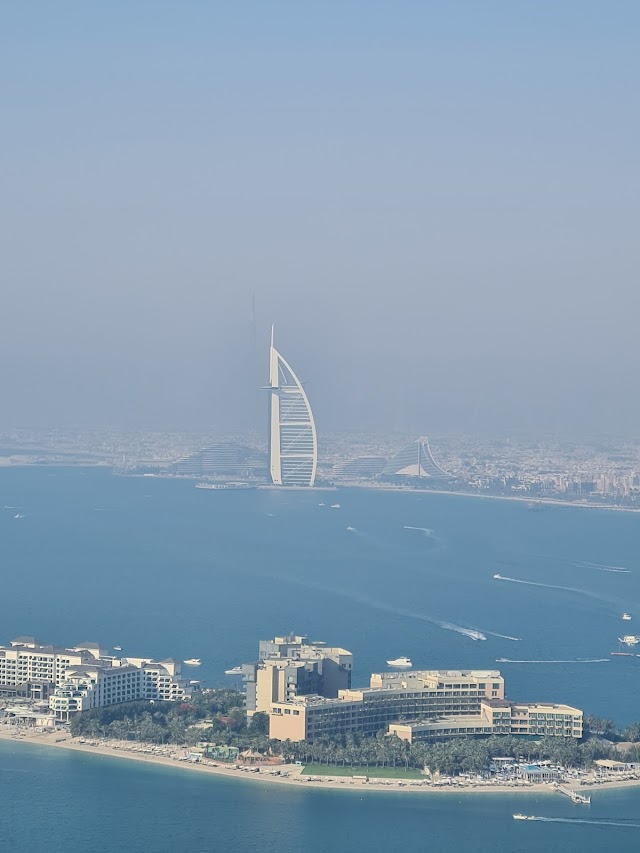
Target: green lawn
point(371, 772)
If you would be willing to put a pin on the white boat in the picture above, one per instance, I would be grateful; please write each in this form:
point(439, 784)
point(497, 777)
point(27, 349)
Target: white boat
point(400, 663)
point(117, 648)
point(193, 662)
point(629, 640)
point(626, 617)
point(335, 506)
point(497, 577)
point(236, 670)
point(519, 816)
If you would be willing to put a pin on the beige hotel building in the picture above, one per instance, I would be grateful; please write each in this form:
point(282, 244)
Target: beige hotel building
point(422, 705)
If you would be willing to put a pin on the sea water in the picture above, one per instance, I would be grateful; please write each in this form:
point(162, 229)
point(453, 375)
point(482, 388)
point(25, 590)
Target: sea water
point(163, 569)
point(53, 799)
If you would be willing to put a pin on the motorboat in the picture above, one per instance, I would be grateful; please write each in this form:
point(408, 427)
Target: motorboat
point(236, 670)
point(519, 816)
point(335, 506)
point(192, 662)
point(117, 648)
point(497, 577)
point(626, 617)
point(400, 663)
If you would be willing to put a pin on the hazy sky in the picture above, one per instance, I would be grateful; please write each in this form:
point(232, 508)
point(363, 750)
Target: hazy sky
point(436, 202)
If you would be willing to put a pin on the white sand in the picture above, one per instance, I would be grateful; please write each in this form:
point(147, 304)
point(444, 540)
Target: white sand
point(170, 757)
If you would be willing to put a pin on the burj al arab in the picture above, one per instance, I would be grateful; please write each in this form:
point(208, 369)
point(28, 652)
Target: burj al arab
point(293, 444)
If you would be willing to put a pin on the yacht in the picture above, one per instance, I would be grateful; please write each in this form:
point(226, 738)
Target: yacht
point(401, 663)
point(236, 670)
point(522, 817)
point(193, 662)
point(117, 648)
point(335, 506)
point(629, 640)
point(497, 577)
point(626, 617)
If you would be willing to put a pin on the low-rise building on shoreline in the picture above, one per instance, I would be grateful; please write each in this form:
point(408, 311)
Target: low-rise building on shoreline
point(422, 705)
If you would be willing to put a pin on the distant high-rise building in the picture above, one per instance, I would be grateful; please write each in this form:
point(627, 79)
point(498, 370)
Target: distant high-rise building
point(415, 461)
point(226, 459)
point(293, 445)
point(360, 467)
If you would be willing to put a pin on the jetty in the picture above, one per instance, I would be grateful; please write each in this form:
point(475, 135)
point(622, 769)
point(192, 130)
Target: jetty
point(575, 797)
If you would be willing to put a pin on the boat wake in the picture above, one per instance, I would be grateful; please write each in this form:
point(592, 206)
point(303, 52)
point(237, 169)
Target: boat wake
point(472, 633)
point(574, 660)
point(504, 636)
point(552, 586)
point(427, 533)
point(588, 821)
point(426, 530)
point(587, 564)
point(601, 567)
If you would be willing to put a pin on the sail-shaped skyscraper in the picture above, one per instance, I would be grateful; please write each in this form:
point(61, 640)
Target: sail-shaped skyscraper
point(293, 444)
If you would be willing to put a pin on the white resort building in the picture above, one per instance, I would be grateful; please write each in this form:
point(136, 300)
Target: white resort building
point(86, 676)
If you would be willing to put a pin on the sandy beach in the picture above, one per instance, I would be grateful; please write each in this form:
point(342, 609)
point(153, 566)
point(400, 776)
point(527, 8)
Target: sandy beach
point(177, 757)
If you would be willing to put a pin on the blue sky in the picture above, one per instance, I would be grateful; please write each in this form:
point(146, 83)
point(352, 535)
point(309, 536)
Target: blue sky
point(436, 202)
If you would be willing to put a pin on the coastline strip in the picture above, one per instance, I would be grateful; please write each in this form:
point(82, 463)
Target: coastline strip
point(296, 777)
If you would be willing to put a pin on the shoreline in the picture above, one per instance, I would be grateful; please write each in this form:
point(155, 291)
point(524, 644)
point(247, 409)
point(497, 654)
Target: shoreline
point(557, 502)
point(519, 498)
point(174, 756)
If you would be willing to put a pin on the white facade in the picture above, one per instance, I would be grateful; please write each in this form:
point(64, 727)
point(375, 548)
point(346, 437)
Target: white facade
point(26, 661)
point(416, 461)
point(98, 687)
point(86, 677)
point(293, 444)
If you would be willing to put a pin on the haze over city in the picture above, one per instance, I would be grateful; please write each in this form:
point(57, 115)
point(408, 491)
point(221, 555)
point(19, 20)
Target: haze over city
point(319, 448)
point(436, 203)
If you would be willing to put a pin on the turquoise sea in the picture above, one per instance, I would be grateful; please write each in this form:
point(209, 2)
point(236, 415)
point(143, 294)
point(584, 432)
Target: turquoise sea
point(162, 568)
